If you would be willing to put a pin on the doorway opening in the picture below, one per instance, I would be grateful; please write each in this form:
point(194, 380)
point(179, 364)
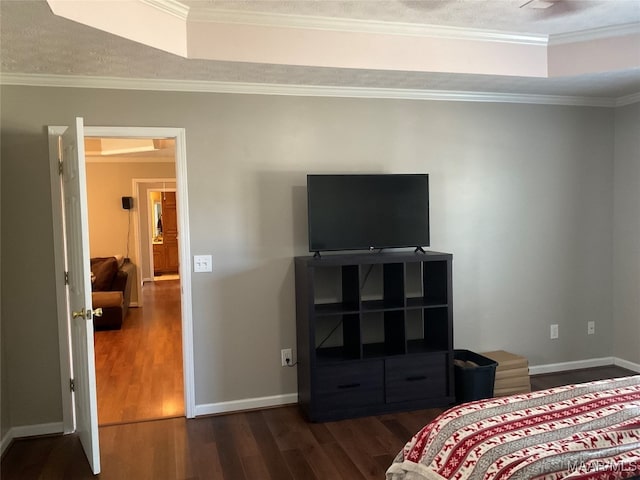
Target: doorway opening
point(164, 234)
point(178, 135)
point(139, 373)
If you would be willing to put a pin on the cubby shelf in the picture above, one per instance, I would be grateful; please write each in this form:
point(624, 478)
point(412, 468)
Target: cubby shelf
point(374, 333)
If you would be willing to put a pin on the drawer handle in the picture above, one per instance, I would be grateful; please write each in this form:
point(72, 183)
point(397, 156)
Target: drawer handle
point(349, 385)
point(417, 378)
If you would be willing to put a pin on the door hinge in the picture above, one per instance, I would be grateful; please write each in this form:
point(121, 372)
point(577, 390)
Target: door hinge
point(59, 166)
point(66, 278)
point(72, 385)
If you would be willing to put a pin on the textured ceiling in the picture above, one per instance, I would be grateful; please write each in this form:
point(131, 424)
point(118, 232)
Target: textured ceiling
point(34, 41)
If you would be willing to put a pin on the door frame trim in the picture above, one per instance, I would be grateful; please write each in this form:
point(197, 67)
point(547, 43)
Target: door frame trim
point(184, 254)
point(64, 329)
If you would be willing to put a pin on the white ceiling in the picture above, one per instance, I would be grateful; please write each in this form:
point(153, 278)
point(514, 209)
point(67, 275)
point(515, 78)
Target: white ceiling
point(38, 46)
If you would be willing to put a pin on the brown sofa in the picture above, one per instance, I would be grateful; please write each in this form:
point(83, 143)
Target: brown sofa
point(111, 281)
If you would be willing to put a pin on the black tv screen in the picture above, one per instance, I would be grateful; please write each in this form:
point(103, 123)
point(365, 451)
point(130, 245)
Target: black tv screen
point(355, 212)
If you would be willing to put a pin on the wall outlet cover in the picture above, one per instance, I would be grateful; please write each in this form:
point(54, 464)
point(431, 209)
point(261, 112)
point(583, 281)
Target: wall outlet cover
point(285, 355)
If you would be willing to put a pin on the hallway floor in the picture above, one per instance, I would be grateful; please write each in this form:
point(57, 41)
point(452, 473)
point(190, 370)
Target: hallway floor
point(139, 368)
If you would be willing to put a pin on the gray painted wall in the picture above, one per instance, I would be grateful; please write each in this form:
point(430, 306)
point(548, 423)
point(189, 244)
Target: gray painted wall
point(4, 384)
point(626, 253)
point(520, 194)
point(29, 329)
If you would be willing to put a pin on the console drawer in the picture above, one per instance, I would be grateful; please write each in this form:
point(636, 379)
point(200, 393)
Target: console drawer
point(353, 385)
point(415, 377)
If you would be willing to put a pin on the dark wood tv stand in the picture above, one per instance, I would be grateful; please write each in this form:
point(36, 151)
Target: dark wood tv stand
point(374, 333)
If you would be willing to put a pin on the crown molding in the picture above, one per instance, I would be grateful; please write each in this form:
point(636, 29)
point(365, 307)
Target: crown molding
point(172, 7)
point(628, 100)
point(595, 34)
point(352, 25)
point(72, 81)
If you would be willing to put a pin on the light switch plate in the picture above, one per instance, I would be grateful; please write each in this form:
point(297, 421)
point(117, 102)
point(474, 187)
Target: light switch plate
point(202, 263)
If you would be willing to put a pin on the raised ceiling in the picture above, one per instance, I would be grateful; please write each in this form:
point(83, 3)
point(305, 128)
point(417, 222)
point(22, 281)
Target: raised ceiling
point(575, 49)
point(494, 15)
point(126, 149)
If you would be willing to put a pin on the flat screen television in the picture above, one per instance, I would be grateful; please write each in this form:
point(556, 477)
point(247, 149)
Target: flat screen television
point(358, 212)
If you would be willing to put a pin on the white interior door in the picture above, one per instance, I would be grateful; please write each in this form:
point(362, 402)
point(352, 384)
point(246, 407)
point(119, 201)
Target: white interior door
point(79, 290)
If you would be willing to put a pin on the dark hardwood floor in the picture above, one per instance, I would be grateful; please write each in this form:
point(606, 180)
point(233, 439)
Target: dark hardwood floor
point(270, 444)
point(139, 367)
point(550, 380)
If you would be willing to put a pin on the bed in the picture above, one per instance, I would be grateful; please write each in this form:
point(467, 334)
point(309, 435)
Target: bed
point(583, 431)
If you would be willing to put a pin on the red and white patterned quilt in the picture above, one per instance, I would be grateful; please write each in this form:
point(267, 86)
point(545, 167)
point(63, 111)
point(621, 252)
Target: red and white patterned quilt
point(584, 431)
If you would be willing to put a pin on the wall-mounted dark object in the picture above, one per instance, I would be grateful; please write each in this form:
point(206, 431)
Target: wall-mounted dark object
point(127, 203)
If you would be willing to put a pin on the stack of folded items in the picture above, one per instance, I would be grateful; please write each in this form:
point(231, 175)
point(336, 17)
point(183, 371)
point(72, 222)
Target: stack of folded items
point(512, 373)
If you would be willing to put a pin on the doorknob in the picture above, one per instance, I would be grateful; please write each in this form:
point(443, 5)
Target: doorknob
point(87, 313)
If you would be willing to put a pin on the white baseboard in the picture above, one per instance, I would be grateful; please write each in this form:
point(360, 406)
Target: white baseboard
point(589, 363)
point(246, 404)
point(289, 398)
point(278, 400)
point(626, 364)
point(30, 431)
point(575, 365)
